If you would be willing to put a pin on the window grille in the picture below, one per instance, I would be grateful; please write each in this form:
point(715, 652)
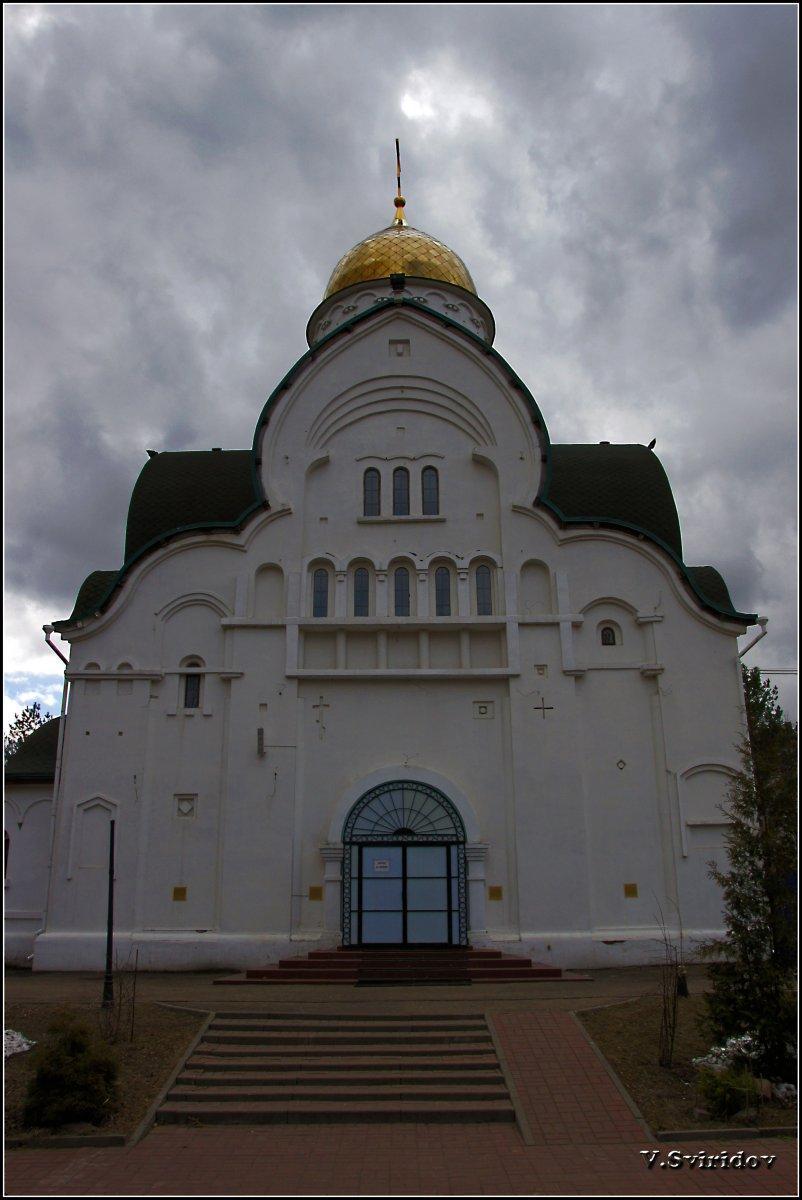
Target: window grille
point(430, 486)
point(192, 687)
point(400, 492)
point(320, 593)
point(484, 592)
point(401, 582)
point(361, 592)
point(371, 493)
point(442, 592)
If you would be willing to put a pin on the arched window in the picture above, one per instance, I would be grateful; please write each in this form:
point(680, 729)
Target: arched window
point(608, 635)
point(371, 493)
point(192, 686)
point(361, 592)
point(401, 585)
point(400, 492)
point(430, 488)
point(484, 591)
point(442, 592)
point(320, 593)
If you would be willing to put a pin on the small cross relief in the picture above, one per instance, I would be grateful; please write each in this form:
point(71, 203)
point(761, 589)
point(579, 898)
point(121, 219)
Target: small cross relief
point(543, 708)
point(320, 717)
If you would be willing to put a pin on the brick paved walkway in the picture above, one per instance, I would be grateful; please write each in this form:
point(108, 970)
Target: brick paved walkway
point(586, 1141)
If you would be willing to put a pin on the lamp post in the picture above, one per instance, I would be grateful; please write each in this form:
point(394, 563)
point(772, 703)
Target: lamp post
point(108, 978)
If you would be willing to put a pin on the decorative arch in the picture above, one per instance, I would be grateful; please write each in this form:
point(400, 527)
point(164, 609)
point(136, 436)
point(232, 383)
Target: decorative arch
point(415, 891)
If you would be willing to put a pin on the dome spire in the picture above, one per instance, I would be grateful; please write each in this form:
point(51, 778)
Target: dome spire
point(399, 199)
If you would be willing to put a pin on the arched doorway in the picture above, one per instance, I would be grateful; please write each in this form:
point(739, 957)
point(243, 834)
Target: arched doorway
point(404, 868)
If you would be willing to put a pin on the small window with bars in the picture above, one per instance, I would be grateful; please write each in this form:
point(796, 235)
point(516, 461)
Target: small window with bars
point(192, 686)
point(400, 492)
point(320, 593)
point(442, 592)
point(430, 489)
point(361, 592)
point(371, 493)
point(484, 591)
point(401, 589)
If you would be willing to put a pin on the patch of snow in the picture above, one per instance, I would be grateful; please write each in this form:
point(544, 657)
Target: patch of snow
point(15, 1043)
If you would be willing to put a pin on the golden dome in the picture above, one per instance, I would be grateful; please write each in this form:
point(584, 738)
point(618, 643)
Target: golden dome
point(399, 250)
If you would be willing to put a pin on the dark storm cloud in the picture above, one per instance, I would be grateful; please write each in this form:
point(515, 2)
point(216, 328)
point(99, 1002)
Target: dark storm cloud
point(182, 179)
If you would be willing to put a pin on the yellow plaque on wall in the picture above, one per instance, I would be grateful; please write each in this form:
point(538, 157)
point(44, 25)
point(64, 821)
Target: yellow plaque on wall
point(179, 893)
point(316, 893)
point(494, 892)
point(631, 891)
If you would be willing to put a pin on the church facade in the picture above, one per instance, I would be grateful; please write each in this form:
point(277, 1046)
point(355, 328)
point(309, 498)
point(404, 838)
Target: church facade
point(404, 672)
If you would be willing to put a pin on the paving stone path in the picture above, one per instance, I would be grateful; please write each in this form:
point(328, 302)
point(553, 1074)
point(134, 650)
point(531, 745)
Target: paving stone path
point(582, 1139)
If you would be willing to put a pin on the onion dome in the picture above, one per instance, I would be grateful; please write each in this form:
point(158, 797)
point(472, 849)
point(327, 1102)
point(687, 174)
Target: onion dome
point(399, 250)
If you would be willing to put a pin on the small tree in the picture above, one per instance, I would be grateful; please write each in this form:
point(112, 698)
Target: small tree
point(753, 986)
point(75, 1077)
point(22, 727)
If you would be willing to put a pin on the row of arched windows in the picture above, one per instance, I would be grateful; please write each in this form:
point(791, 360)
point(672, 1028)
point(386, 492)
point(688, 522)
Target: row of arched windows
point(401, 592)
point(372, 492)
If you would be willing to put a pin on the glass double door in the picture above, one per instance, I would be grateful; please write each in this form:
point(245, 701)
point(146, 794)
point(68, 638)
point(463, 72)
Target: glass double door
point(404, 894)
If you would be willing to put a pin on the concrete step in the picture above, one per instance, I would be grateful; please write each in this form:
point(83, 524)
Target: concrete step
point(259, 1063)
point(341, 1091)
point(353, 1112)
point(311, 1025)
point(334, 1037)
point(200, 1079)
point(349, 1049)
point(357, 1017)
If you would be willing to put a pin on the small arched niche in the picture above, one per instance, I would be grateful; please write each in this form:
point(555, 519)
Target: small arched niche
point(124, 686)
point(536, 600)
point(268, 593)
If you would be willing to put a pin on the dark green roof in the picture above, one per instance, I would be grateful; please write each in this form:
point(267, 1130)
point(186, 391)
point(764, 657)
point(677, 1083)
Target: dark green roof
point(35, 761)
point(623, 487)
point(709, 582)
point(187, 491)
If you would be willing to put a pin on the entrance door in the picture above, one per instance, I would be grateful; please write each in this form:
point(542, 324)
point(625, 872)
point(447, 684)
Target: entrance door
point(405, 894)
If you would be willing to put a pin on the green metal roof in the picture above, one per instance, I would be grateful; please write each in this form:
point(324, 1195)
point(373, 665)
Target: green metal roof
point(35, 761)
point(614, 486)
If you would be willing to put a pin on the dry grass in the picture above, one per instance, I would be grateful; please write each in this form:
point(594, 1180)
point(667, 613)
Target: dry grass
point(161, 1037)
point(628, 1035)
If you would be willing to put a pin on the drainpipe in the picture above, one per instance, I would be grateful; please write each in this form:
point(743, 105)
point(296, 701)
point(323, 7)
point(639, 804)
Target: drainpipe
point(762, 622)
point(48, 632)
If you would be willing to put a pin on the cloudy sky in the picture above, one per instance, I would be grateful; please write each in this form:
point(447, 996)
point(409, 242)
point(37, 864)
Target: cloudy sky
point(181, 180)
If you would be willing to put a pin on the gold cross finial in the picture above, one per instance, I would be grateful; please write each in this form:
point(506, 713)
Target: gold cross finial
point(399, 199)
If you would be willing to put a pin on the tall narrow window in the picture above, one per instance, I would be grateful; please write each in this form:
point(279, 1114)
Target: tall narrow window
point(484, 592)
point(430, 486)
point(372, 493)
point(320, 593)
point(192, 687)
point(401, 581)
point(361, 592)
point(442, 592)
point(607, 635)
point(400, 492)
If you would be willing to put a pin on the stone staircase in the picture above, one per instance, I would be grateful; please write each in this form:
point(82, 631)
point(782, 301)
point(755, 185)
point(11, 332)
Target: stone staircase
point(387, 965)
point(256, 1068)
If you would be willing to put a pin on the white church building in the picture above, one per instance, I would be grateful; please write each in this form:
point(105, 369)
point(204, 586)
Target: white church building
point(404, 672)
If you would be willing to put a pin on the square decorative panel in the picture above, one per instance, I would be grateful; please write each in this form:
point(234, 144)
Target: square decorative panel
point(185, 806)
